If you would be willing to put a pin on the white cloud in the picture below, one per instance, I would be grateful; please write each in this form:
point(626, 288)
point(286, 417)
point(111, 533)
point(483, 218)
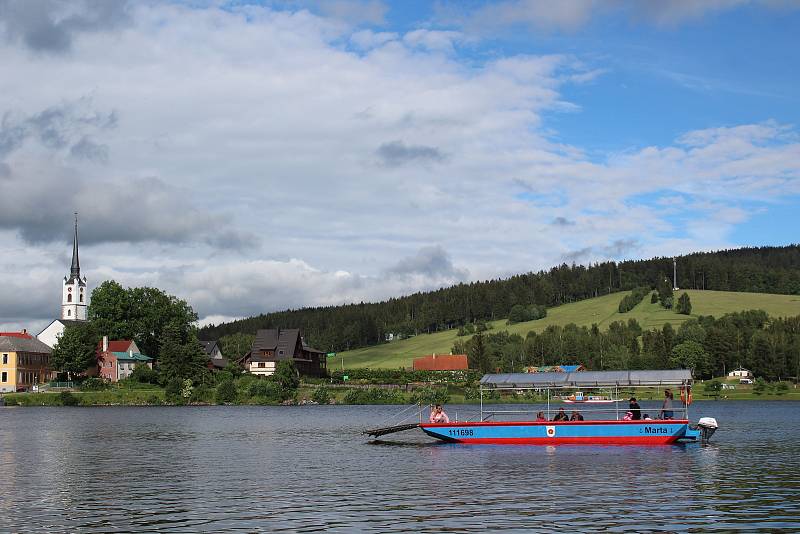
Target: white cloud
point(256, 163)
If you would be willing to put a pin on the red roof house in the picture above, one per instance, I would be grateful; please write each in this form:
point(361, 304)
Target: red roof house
point(441, 362)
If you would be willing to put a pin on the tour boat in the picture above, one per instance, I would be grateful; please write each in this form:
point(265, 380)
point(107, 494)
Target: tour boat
point(600, 426)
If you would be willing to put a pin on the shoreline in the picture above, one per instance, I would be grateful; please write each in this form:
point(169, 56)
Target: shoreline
point(156, 397)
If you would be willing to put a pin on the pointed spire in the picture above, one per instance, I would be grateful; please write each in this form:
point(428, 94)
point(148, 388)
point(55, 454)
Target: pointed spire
point(75, 270)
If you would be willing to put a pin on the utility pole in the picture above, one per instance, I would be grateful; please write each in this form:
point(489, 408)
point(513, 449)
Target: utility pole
point(674, 274)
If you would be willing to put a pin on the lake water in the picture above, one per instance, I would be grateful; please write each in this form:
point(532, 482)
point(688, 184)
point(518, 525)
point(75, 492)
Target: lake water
point(245, 469)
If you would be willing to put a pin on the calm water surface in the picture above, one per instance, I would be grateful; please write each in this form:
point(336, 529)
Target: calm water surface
point(245, 469)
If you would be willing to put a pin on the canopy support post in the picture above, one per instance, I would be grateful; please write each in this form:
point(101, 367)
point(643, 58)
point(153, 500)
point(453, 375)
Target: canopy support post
point(481, 390)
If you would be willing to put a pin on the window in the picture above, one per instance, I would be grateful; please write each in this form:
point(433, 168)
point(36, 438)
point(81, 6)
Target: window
point(5, 358)
point(69, 297)
point(81, 297)
point(261, 364)
point(69, 313)
point(3, 377)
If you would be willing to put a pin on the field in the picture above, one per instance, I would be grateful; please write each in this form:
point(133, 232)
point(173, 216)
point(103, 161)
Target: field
point(600, 310)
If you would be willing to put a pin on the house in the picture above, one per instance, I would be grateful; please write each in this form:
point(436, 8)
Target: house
point(741, 372)
point(117, 359)
point(555, 369)
point(441, 362)
point(274, 345)
point(216, 362)
point(24, 362)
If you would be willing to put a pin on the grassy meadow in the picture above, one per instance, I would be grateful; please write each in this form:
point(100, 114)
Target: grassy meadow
point(600, 310)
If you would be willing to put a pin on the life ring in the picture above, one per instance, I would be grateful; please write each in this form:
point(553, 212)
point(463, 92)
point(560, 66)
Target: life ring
point(686, 395)
point(551, 431)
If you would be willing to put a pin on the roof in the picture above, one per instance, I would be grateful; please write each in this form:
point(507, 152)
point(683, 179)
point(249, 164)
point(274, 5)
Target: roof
point(218, 363)
point(119, 345)
point(208, 346)
point(276, 340)
point(24, 335)
point(672, 377)
point(65, 322)
point(23, 344)
point(128, 356)
point(442, 362)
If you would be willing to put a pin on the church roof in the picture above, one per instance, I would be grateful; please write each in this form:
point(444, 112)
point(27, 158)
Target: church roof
point(75, 268)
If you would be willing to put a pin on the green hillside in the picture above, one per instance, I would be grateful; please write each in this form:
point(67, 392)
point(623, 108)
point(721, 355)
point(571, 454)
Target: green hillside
point(600, 310)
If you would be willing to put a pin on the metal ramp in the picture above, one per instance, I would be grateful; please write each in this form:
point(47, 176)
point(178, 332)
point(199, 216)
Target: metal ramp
point(378, 432)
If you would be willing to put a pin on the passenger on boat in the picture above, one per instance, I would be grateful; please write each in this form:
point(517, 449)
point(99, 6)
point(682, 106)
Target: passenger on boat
point(438, 415)
point(636, 410)
point(561, 415)
point(647, 417)
point(540, 417)
point(666, 408)
point(628, 416)
point(576, 416)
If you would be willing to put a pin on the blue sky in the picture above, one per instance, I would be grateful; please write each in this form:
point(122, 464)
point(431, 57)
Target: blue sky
point(257, 156)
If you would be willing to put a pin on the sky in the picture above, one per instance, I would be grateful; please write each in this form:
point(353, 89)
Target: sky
point(257, 156)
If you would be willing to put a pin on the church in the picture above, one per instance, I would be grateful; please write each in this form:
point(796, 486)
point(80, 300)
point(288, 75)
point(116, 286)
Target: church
point(74, 299)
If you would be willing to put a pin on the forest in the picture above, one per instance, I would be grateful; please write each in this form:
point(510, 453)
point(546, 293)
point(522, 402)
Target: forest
point(709, 346)
point(344, 327)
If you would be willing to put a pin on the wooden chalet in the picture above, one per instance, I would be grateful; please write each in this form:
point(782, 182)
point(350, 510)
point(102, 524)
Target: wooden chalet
point(274, 345)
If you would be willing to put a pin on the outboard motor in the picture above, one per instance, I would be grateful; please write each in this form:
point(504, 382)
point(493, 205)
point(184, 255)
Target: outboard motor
point(707, 426)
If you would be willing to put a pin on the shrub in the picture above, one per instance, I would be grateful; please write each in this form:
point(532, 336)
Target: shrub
point(631, 300)
point(321, 395)
point(226, 392)
point(654, 297)
point(430, 395)
point(267, 390)
point(204, 394)
point(93, 384)
point(781, 388)
point(144, 375)
point(713, 388)
point(153, 399)
point(68, 399)
point(286, 375)
point(172, 391)
point(374, 396)
point(759, 386)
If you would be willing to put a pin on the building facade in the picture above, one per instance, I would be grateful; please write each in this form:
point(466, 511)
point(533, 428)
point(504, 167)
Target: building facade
point(275, 345)
point(24, 362)
point(117, 359)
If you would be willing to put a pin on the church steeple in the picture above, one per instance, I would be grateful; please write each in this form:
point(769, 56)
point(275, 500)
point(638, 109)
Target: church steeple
point(74, 293)
point(75, 270)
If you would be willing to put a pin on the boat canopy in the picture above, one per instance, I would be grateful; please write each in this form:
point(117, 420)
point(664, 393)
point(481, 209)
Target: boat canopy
point(585, 379)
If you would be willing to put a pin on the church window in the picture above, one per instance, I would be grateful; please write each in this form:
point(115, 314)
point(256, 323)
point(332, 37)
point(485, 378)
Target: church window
point(81, 297)
point(69, 313)
point(69, 297)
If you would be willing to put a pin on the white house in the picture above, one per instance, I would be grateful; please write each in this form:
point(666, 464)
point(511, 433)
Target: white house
point(741, 372)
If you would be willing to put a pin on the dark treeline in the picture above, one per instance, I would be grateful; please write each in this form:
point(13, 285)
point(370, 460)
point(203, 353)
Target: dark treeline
point(765, 269)
point(769, 347)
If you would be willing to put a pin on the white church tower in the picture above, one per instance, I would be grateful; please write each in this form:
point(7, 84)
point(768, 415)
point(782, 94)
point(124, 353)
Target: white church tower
point(74, 294)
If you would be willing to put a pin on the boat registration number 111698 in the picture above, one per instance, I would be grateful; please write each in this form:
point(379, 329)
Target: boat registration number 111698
point(459, 432)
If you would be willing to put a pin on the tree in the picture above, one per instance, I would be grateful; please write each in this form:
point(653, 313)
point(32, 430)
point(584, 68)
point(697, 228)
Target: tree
point(236, 345)
point(690, 355)
point(181, 355)
point(286, 375)
point(75, 350)
point(713, 388)
point(684, 305)
point(226, 392)
point(477, 355)
point(138, 313)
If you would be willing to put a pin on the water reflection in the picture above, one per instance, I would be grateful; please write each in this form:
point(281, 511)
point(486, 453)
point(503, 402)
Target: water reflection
point(225, 469)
